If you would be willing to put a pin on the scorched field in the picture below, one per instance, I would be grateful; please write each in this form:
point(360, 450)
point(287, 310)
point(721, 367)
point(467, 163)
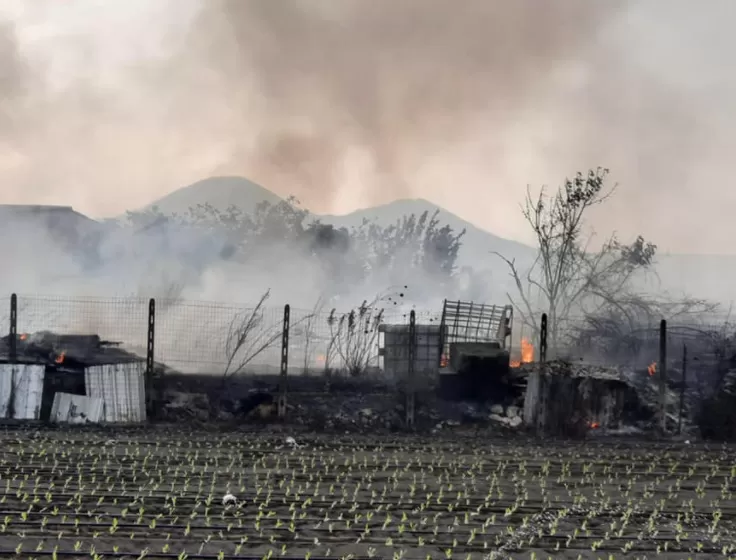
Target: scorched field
point(154, 494)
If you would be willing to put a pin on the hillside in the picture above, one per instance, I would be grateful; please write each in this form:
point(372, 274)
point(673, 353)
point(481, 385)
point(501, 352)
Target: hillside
point(219, 192)
point(222, 192)
point(705, 276)
point(478, 244)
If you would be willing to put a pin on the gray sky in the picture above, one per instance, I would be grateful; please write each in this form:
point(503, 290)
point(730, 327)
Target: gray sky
point(107, 105)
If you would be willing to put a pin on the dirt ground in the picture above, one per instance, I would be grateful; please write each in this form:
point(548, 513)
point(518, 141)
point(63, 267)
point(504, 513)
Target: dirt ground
point(367, 405)
point(157, 492)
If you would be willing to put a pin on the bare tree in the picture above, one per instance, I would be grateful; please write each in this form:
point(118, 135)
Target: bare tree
point(620, 331)
point(566, 275)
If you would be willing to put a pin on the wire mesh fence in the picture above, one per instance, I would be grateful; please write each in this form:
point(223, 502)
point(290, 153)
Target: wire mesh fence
point(202, 337)
point(217, 338)
point(114, 319)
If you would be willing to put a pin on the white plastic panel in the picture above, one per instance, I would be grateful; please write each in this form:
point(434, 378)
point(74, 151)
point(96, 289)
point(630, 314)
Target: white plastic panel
point(23, 385)
point(121, 387)
point(76, 409)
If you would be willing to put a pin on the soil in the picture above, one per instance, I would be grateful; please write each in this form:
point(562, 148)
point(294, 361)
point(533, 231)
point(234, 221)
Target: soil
point(117, 493)
point(328, 405)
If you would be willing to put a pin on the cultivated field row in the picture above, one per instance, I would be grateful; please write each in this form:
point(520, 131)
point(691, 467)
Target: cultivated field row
point(159, 494)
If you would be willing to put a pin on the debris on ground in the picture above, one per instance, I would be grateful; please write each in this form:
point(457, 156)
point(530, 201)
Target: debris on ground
point(253, 402)
point(362, 413)
point(229, 500)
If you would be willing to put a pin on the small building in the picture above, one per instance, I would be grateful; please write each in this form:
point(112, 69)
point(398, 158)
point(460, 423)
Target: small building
point(394, 351)
point(565, 399)
point(45, 365)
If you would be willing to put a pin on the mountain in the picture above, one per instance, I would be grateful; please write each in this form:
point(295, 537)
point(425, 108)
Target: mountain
point(706, 276)
point(219, 192)
point(477, 244)
point(222, 192)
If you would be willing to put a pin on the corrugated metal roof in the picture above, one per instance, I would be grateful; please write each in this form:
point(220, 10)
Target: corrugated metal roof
point(121, 387)
point(76, 409)
point(21, 389)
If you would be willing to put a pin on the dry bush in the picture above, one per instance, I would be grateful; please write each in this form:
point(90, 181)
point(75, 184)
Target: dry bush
point(353, 341)
point(248, 337)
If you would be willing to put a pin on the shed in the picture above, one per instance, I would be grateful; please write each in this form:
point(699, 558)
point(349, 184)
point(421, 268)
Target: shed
point(395, 352)
point(81, 365)
point(565, 399)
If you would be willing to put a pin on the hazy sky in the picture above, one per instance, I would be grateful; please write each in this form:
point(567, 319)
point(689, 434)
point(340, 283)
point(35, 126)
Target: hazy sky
point(107, 105)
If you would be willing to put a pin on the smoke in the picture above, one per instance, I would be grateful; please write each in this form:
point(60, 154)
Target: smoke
point(336, 103)
point(352, 103)
point(13, 89)
point(379, 86)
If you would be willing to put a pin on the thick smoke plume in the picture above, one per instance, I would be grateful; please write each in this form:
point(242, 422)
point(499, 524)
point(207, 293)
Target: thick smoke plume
point(383, 86)
point(338, 103)
point(353, 103)
point(350, 103)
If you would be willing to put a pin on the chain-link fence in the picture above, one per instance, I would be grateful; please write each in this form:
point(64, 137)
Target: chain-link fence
point(217, 338)
point(112, 319)
point(204, 337)
point(208, 337)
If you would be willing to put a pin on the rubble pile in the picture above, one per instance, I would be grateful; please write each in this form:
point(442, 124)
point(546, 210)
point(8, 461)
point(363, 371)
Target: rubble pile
point(64, 351)
point(510, 416)
point(363, 413)
point(605, 400)
point(645, 415)
point(716, 415)
point(573, 370)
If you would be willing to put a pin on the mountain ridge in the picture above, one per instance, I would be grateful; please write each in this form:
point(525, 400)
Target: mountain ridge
point(221, 192)
point(700, 275)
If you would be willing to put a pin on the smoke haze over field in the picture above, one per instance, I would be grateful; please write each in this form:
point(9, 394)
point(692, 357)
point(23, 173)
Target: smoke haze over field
point(109, 105)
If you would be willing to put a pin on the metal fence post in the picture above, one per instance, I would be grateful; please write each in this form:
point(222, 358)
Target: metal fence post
point(281, 406)
point(543, 339)
point(682, 388)
point(13, 338)
point(443, 328)
point(150, 339)
point(410, 389)
point(663, 376)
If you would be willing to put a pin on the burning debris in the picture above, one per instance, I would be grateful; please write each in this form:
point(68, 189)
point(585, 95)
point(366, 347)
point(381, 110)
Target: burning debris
point(527, 354)
point(80, 366)
point(75, 351)
point(571, 399)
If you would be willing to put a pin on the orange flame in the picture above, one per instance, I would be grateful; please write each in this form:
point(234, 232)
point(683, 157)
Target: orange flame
point(321, 359)
point(594, 425)
point(60, 358)
point(527, 353)
point(443, 360)
point(24, 336)
point(652, 369)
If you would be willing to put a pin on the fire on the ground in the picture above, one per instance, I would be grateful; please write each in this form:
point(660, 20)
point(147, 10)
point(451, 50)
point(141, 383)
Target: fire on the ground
point(527, 353)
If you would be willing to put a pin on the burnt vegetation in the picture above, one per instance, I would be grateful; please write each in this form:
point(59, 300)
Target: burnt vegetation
point(598, 291)
point(414, 244)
